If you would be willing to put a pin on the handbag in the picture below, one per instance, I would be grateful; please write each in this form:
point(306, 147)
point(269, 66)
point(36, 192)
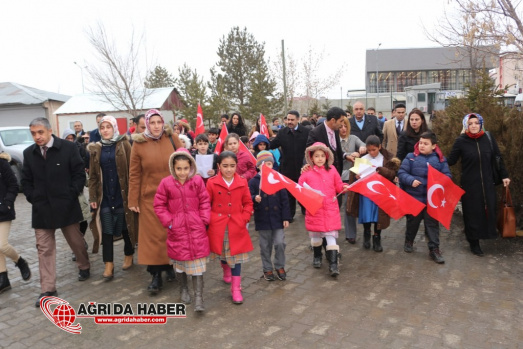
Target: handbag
point(506, 216)
point(496, 163)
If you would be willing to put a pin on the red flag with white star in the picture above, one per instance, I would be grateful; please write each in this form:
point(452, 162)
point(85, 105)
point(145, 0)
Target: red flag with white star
point(199, 121)
point(442, 196)
point(221, 139)
point(263, 126)
point(272, 181)
point(388, 196)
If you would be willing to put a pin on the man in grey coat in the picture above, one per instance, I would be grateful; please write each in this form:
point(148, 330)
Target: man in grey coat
point(53, 176)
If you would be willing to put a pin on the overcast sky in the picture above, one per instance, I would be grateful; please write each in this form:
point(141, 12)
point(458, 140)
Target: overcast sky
point(40, 40)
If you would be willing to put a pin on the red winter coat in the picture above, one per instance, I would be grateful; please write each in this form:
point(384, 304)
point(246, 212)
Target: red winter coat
point(245, 167)
point(230, 207)
point(187, 209)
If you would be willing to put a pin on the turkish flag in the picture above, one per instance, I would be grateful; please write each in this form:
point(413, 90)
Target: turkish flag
point(243, 148)
point(199, 121)
point(272, 181)
point(389, 197)
point(442, 196)
point(221, 139)
point(263, 126)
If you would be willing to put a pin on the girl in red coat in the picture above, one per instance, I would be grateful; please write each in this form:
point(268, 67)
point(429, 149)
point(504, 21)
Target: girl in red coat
point(183, 207)
point(245, 167)
point(327, 221)
point(231, 209)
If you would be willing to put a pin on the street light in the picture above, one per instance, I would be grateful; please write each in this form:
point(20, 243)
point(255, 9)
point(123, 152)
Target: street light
point(377, 80)
point(82, 73)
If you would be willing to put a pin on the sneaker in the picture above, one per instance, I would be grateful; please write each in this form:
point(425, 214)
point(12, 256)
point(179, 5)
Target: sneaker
point(282, 275)
point(84, 274)
point(436, 256)
point(268, 275)
point(408, 247)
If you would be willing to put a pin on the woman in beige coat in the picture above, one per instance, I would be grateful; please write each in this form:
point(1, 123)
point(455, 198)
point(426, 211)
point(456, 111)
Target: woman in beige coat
point(149, 165)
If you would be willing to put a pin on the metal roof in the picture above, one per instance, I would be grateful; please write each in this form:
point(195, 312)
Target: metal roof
point(13, 93)
point(94, 102)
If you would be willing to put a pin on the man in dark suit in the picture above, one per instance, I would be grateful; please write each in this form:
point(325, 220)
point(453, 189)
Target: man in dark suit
point(53, 176)
point(328, 134)
point(292, 141)
point(94, 136)
point(363, 125)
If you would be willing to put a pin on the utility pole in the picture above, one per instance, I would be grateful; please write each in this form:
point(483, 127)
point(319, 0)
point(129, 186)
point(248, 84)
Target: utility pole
point(82, 73)
point(284, 78)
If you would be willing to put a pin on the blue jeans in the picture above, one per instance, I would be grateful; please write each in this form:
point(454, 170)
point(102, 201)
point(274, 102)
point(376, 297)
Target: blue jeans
point(268, 239)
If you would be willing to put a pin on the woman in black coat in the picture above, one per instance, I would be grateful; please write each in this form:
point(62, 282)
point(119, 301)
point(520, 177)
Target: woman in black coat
point(8, 193)
point(236, 125)
point(416, 125)
point(479, 201)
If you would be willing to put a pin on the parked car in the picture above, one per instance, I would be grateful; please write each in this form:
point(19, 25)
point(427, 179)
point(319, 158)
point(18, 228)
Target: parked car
point(14, 140)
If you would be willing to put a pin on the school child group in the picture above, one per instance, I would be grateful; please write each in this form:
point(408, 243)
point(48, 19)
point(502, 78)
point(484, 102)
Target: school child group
point(214, 222)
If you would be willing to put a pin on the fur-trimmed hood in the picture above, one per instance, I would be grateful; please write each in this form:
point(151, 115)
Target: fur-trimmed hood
point(92, 146)
point(186, 141)
point(140, 138)
point(318, 146)
point(5, 156)
point(192, 162)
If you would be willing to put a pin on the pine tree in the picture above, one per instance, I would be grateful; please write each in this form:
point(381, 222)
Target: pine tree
point(159, 77)
point(192, 91)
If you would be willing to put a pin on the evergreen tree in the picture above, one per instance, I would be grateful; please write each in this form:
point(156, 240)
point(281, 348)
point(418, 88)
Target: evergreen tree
point(242, 74)
point(159, 77)
point(192, 91)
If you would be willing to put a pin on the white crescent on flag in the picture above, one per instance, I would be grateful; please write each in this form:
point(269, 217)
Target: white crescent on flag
point(271, 179)
point(431, 191)
point(371, 185)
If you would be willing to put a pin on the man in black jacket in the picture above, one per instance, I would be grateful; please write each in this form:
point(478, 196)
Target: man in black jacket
point(328, 134)
point(53, 176)
point(292, 141)
point(363, 125)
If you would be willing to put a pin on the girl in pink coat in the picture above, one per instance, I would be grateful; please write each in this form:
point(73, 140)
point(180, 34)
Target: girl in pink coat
point(183, 206)
point(324, 178)
point(246, 167)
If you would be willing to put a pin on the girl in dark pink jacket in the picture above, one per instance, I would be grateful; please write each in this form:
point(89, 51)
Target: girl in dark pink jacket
point(183, 207)
point(246, 167)
point(324, 178)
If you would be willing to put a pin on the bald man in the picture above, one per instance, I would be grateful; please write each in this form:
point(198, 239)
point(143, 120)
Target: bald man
point(363, 125)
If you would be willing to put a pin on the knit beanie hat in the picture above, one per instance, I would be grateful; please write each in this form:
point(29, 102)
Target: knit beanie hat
point(264, 155)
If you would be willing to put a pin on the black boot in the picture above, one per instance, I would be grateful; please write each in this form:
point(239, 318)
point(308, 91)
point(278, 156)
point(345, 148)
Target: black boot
point(436, 256)
point(197, 284)
point(475, 248)
point(184, 289)
point(4, 282)
point(24, 268)
point(170, 275)
point(376, 243)
point(366, 239)
point(156, 284)
point(316, 262)
point(332, 257)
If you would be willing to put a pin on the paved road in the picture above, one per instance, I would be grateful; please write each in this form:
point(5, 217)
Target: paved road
point(380, 300)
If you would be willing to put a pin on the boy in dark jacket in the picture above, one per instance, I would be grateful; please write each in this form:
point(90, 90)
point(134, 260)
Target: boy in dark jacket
point(271, 215)
point(201, 143)
point(413, 179)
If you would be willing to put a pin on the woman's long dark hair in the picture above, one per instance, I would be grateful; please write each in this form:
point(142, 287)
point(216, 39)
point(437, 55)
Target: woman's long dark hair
point(423, 128)
point(240, 125)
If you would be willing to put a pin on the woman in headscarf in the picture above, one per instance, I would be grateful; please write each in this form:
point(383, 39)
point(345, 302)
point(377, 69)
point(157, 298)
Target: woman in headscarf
point(108, 188)
point(477, 153)
point(149, 165)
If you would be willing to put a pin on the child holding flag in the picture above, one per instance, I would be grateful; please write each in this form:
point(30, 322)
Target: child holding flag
point(271, 215)
point(413, 178)
point(231, 209)
point(246, 167)
point(326, 222)
point(361, 206)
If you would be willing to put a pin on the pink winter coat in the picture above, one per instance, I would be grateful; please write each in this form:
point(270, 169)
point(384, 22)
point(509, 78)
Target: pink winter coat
point(245, 167)
point(187, 209)
point(329, 183)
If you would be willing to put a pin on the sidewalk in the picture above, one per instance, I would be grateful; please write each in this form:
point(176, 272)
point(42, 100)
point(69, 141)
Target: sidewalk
point(380, 300)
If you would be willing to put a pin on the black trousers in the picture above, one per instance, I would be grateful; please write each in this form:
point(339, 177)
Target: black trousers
point(108, 242)
point(431, 228)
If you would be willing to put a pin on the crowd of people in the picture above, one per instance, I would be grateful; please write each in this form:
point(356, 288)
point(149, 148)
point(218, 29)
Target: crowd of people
point(145, 187)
